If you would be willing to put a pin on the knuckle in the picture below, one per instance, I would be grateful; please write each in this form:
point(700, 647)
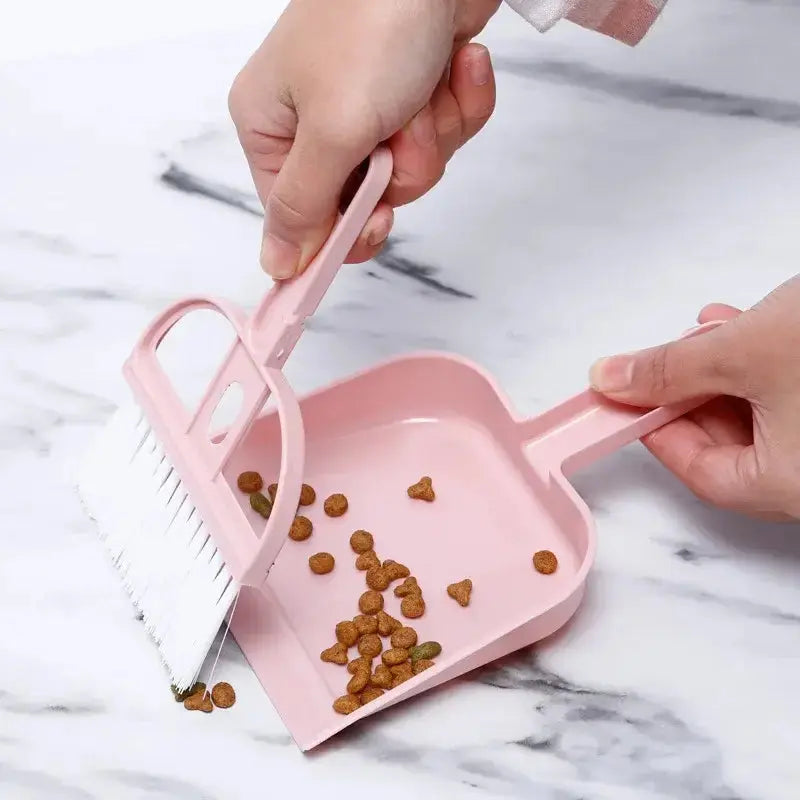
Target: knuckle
point(282, 211)
point(657, 369)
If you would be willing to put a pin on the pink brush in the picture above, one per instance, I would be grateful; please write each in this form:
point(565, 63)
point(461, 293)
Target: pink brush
point(163, 491)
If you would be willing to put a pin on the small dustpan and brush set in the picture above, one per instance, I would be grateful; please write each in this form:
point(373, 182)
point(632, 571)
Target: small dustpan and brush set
point(163, 492)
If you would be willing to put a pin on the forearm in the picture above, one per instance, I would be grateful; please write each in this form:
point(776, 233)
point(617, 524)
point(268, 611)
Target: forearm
point(625, 20)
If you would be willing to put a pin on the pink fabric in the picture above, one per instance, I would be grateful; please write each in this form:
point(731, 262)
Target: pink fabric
point(625, 20)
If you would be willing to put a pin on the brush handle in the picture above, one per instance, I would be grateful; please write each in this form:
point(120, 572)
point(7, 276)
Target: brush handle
point(589, 426)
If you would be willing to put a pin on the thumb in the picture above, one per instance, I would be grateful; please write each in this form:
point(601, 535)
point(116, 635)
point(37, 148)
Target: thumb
point(303, 202)
point(701, 366)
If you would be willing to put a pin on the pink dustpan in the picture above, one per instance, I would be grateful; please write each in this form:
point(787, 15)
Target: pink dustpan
point(500, 481)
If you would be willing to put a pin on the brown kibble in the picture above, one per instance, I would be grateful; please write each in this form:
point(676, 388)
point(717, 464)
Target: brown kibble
point(362, 541)
point(370, 645)
point(401, 673)
point(223, 695)
point(361, 663)
point(346, 704)
point(408, 588)
point(249, 482)
point(382, 677)
point(396, 571)
point(261, 504)
point(347, 633)
point(199, 702)
point(307, 495)
point(336, 654)
point(421, 665)
point(422, 490)
point(196, 687)
point(358, 682)
point(321, 563)
point(412, 607)
point(404, 637)
point(365, 624)
point(460, 592)
point(336, 505)
point(301, 529)
point(378, 578)
point(370, 694)
point(272, 491)
point(387, 624)
point(395, 656)
point(545, 562)
point(367, 560)
point(371, 602)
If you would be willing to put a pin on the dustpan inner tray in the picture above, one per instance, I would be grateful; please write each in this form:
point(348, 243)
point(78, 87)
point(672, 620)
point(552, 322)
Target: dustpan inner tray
point(485, 524)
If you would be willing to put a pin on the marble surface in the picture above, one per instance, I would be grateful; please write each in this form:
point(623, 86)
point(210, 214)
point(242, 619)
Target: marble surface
point(613, 194)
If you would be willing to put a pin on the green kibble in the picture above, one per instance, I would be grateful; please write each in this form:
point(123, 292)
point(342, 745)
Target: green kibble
point(426, 651)
point(261, 504)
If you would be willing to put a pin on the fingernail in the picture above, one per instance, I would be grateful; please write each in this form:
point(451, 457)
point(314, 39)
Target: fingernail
point(278, 258)
point(480, 67)
point(378, 232)
point(423, 128)
point(612, 374)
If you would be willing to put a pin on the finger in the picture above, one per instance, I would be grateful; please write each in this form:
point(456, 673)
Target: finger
point(417, 165)
point(717, 312)
point(374, 235)
point(303, 201)
point(472, 83)
point(447, 116)
point(726, 476)
point(701, 366)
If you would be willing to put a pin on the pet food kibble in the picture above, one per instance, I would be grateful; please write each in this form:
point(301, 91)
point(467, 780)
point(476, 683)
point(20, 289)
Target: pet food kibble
point(422, 490)
point(321, 563)
point(370, 645)
point(460, 592)
point(260, 504)
point(421, 665)
point(412, 607)
point(395, 656)
point(199, 702)
point(382, 677)
point(387, 624)
point(404, 637)
point(368, 695)
point(362, 541)
point(272, 491)
point(336, 654)
point(378, 578)
point(301, 529)
point(358, 682)
point(307, 495)
point(223, 695)
point(346, 704)
point(365, 624)
point(250, 482)
point(367, 560)
point(545, 562)
point(408, 588)
point(198, 687)
point(360, 663)
point(371, 602)
point(395, 571)
point(425, 652)
point(347, 633)
point(336, 505)
point(401, 673)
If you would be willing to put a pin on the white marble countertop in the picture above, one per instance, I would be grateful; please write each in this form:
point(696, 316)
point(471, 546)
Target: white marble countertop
point(614, 193)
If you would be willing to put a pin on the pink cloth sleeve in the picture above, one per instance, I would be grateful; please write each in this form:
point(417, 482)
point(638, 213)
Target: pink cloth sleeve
point(625, 20)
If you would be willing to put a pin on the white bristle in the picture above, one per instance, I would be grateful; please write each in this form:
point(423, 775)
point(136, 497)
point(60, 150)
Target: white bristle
point(158, 541)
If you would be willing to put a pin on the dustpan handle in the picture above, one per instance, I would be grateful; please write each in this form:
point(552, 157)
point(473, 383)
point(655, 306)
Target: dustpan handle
point(588, 426)
point(277, 323)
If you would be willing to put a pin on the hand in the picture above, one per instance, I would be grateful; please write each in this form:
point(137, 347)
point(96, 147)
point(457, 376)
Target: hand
point(740, 451)
point(335, 79)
